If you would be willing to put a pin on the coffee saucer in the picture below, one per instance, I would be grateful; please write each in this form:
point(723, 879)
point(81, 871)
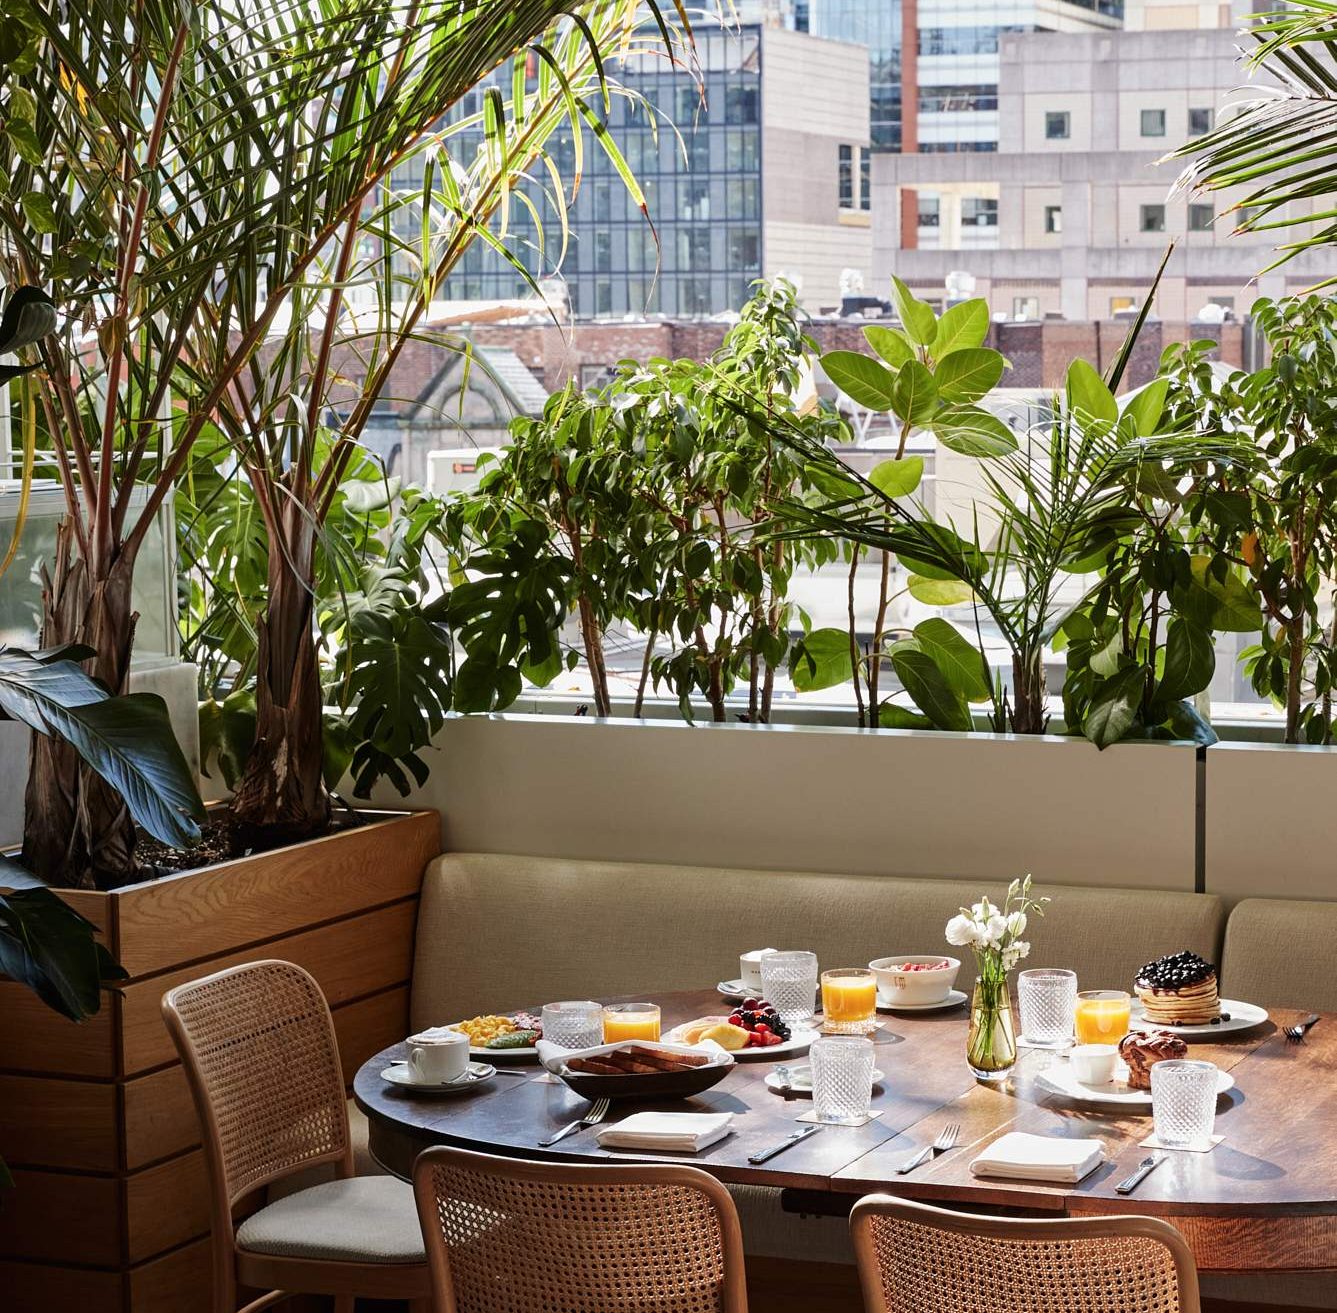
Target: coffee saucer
point(475, 1074)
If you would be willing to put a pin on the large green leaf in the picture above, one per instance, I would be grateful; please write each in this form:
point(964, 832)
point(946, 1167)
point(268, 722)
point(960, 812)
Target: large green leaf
point(1147, 406)
point(968, 374)
point(861, 378)
point(917, 317)
point(1190, 660)
point(914, 397)
point(1088, 397)
point(46, 945)
point(1235, 608)
point(961, 328)
point(929, 688)
point(959, 660)
point(938, 592)
point(973, 432)
point(821, 659)
point(897, 478)
point(30, 315)
point(890, 344)
point(1114, 707)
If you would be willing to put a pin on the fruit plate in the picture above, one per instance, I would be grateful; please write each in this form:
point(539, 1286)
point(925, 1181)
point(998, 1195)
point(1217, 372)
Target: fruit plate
point(954, 999)
point(644, 1085)
point(476, 1073)
point(1059, 1079)
point(1243, 1016)
point(799, 1041)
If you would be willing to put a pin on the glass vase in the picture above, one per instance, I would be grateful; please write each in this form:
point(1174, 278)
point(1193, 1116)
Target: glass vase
point(991, 1048)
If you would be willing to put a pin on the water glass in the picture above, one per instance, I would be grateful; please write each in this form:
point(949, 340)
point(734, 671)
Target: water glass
point(574, 1024)
point(842, 1079)
point(790, 983)
point(1183, 1102)
point(1047, 997)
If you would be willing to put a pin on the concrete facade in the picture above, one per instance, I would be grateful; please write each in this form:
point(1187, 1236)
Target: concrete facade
point(1085, 208)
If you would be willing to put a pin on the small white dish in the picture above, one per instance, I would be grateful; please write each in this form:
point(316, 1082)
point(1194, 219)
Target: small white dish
point(1059, 1079)
point(1093, 1064)
point(800, 1080)
point(954, 999)
point(917, 988)
point(732, 989)
point(476, 1073)
point(1243, 1016)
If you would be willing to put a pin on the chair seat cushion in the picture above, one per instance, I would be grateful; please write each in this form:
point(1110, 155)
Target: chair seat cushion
point(365, 1219)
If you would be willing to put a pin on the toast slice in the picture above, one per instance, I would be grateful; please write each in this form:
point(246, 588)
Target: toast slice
point(663, 1061)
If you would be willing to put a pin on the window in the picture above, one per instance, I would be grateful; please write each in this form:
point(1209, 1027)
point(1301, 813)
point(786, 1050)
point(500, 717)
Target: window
point(865, 179)
point(1053, 218)
point(1200, 218)
point(1153, 123)
point(1225, 302)
point(1025, 307)
point(845, 181)
point(930, 215)
point(979, 212)
point(1199, 122)
point(1122, 305)
point(1152, 219)
point(1058, 125)
point(940, 100)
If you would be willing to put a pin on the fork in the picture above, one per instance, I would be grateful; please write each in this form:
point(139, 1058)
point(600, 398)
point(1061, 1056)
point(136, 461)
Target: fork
point(596, 1114)
point(946, 1140)
point(1296, 1032)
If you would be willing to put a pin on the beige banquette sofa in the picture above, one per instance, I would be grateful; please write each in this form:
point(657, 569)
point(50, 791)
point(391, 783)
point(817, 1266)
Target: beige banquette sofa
point(498, 931)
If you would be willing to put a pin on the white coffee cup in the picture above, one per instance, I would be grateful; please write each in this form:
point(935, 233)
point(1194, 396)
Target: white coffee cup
point(1093, 1064)
point(439, 1057)
point(749, 969)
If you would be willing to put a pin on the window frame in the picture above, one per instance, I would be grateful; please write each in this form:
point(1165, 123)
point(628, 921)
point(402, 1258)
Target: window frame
point(1063, 114)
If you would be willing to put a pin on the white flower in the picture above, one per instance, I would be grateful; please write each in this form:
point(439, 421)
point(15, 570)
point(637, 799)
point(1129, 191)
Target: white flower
point(1016, 924)
point(962, 932)
point(993, 931)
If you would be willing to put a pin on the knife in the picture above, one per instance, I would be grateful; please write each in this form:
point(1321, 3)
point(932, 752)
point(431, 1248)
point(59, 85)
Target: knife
point(784, 1144)
point(1144, 1169)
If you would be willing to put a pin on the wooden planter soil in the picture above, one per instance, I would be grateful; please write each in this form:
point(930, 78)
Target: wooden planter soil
point(110, 1210)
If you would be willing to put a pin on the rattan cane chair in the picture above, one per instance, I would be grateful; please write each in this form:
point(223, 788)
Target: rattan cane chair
point(260, 1054)
point(917, 1259)
point(508, 1236)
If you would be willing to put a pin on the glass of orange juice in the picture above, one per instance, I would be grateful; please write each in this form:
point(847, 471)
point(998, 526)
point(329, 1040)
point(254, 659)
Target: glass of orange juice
point(849, 1001)
point(630, 1021)
point(1101, 1016)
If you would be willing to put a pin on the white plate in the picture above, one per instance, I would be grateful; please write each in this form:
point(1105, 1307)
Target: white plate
point(1060, 1079)
point(954, 999)
point(799, 1041)
point(801, 1080)
point(475, 1074)
point(1243, 1016)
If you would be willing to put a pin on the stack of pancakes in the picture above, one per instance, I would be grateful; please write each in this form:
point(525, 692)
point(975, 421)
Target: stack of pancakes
point(1179, 990)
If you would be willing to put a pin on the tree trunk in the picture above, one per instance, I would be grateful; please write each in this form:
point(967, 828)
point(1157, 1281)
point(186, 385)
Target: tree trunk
point(1295, 664)
point(77, 830)
point(281, 797)
point(1030, 712)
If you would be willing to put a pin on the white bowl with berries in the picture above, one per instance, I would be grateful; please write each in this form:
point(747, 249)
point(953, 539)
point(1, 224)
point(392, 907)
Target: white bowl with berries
point(913, 980)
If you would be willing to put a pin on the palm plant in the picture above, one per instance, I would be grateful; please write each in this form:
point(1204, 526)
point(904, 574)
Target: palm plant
point(1276, 144)
point(186, 178)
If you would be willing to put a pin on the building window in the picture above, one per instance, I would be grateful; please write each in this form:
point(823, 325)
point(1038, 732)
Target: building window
point(1152, 219)
point(1200, 218)
point(1053, 218)
point(930, 215)
point(1122, 305)
point(1153, 123)
point(1199, 122)
point(979, 212)
point(845, 182)
point(865, 179)
point(1225, 302)
point(1058, 125)
point(1025, 307)
point(855, 177)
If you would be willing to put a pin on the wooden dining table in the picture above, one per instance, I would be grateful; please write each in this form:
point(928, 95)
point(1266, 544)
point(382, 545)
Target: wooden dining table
point(1264, 1199)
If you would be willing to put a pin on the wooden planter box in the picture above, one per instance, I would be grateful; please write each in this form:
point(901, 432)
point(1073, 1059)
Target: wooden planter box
point(111, 1212)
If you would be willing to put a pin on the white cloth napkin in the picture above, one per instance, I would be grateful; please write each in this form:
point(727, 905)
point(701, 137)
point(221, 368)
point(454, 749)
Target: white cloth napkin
point(686, 1131)
point(1021, 1157)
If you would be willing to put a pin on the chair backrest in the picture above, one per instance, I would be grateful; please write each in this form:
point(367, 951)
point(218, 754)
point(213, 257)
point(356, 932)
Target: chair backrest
point(914, 1258)
point(509, 1236)
point(258, 1045)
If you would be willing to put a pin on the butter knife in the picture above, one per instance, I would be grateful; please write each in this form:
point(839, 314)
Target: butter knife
point(787, 1143)
point(1144, 1169)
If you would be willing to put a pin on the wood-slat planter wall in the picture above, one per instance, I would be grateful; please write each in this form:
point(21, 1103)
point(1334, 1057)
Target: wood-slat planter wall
point(110, 1210)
